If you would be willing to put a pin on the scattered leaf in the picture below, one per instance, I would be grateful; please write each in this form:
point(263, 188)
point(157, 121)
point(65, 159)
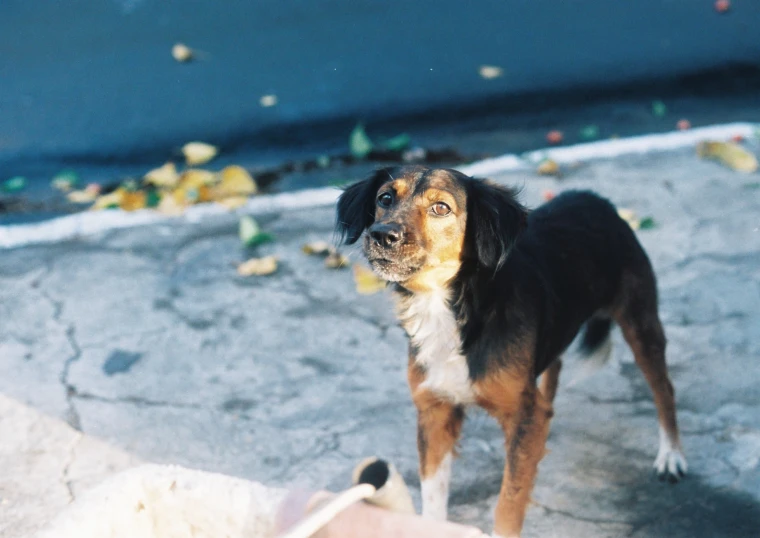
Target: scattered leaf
point(721, 6)
point(659, 109)
point(133, 200)
point(112, 199)
point(359, 143)
point(182, 53)
point(14, 184)
point(198, 152)
point(683, 125)
point(65, 180)
point(630, 217)
point(737, 138)
point(589, 132)
point(165, 176)
point(250, 233)
point(83, 196)
point(398, 142)
point(367, 282)
point(489, 72)
point(548, 195)
point(323, 161)
point(730, 154)
point(317, 248)
point(258, 266)
point(647, 223)
point(336, 260)
point(554, 137)
point(548, 167)
point(169, 206)
point(268, 100)
point(234, 181)
point(233, 202)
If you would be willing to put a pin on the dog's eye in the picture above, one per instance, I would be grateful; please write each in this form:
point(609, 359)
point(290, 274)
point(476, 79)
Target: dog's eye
point(440, 209)
point(385, 199)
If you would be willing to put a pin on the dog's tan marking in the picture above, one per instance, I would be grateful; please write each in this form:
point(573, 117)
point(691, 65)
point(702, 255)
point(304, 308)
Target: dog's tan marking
point(401, 187)
point(510, 395)
point(550, 380)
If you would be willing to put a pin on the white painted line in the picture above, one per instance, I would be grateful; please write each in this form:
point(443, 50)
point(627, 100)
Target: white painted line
point(89, 223)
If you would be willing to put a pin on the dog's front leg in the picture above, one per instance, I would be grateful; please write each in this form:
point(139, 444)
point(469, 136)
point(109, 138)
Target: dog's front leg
point(439, 424)
point(525, 432)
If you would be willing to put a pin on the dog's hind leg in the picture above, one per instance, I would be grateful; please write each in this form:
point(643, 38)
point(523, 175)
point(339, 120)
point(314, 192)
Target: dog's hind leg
point(642, 329)
point(550, 380)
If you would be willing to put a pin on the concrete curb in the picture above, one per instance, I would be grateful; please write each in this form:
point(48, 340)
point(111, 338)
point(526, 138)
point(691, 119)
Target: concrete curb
point(89, 223)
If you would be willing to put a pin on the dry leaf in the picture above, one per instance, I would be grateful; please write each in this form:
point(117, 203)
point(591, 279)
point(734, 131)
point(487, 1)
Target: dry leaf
point(367, 282)
point(318, 248)
point(629, 215)
point(165, 176)
point(182, 53)
point(336, 260)
point(83, 196)
point(490, 71)
point(729, 153)
point(268, 100)
point(109, 200)
point(169, 206)
point(234, 181)
point(133, 200)
point(233, 202)
point(258, 266)
point(198, 152)
point(548, 167)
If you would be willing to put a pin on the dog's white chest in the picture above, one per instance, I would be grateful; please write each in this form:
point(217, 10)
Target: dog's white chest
point(430, 324)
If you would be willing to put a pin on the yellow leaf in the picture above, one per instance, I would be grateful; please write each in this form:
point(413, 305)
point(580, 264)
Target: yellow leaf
point(198, 152)
point(630, 217)
point(165, 176)
point(729, 153)
point(169, 205)
point(366, 281)
point(490, 71)
point(548, 167)
point(110, 199)
point(233, 202)
point(235, 181)
point(194, 186)
point(133, 200)
point(317, 248)
point(195, 178)
point(182, 53)
point(81, 197)
point(336, 260)
point(258, 266)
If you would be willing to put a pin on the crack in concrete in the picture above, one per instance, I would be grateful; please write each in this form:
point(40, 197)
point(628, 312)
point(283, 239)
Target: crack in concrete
point(134, 400)
point(556, 511)
point(65, 472)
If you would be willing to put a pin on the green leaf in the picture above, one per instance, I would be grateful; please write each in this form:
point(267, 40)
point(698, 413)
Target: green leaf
point(250, 233)
point(14, 184)
point(65, 180)
point(647, 223)
point(152, 198)
point(398, 142)
point(359, 143)
point(589, 132)
point(659, 109)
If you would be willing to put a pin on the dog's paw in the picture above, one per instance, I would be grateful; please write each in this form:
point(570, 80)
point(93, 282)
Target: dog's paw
point(670, 464)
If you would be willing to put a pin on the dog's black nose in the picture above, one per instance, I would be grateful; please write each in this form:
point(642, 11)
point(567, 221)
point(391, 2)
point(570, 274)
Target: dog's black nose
point(387, 235)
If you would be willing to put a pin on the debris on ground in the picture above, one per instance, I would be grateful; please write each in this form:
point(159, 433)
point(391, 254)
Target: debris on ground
point(659, 109)
point(250, 232)
point(555, 137)
point(182, 53)
point(367, 282)
point(198, 153)
point(489, 72)
point(65, 181)
point(258, 266)
point(13, 184)
point(333, 258)
point(683, 125)
point(730, 154)
point(268, 100)
point(549, 167)
point(629, 215)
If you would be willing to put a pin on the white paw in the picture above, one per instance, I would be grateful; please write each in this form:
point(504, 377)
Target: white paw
point(670, 464)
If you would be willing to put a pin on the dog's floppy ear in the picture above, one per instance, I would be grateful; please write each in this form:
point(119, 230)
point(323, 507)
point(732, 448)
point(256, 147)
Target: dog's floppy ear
point(356, 206)
point(494, 220)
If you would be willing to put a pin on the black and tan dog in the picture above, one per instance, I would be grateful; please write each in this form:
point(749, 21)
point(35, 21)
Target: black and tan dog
point(490, 296)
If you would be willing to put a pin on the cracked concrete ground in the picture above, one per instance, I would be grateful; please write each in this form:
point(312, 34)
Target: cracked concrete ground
point(150, 347)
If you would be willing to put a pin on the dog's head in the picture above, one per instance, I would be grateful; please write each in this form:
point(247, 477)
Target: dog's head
point(422, 223)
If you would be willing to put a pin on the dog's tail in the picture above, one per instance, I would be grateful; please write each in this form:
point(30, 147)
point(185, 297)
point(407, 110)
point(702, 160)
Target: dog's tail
point(595, 347)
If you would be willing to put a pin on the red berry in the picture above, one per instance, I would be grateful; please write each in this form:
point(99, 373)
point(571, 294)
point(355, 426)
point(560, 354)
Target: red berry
point(721, 6)
point(548, 195)
point(737, 138)
point(554, 137)
point(683, 125)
